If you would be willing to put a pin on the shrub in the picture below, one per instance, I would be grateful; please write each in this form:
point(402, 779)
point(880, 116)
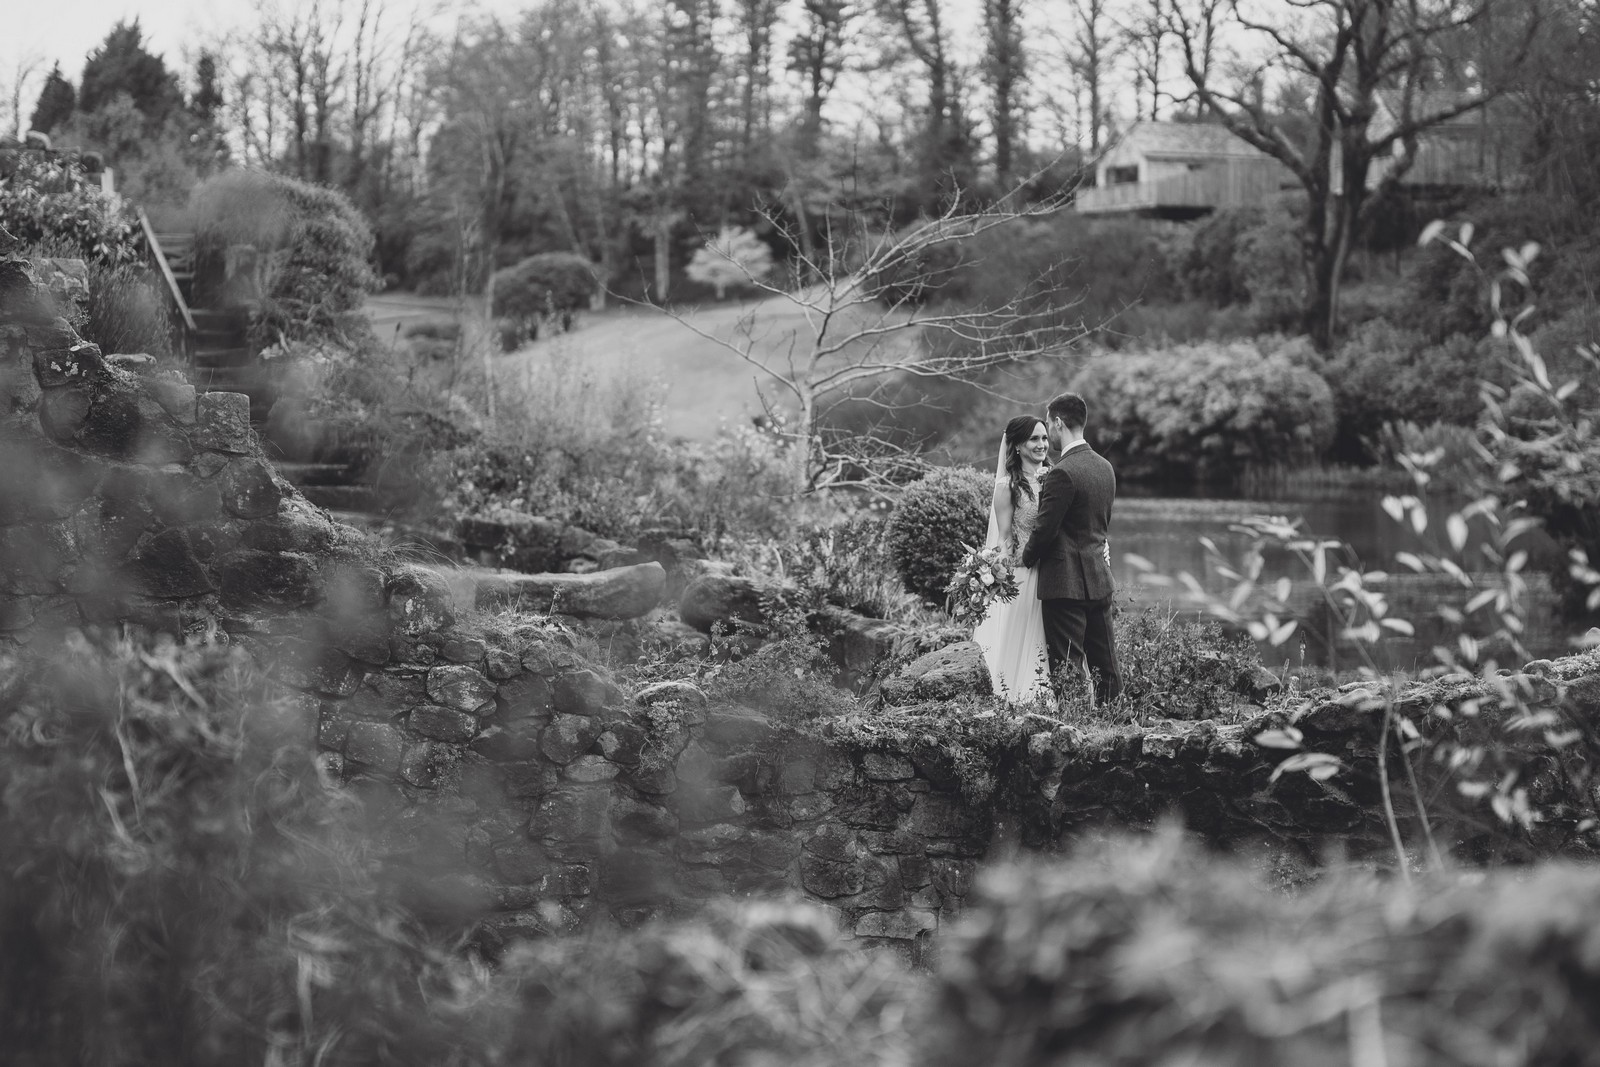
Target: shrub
point(176, 872)
point(1205, 410)
point(315, 248)
point(1383, 373)
point(1151, 952)
point(749, 983)
point(1180, 670)
point(847, 564)
point(45, 204)
point(546, 285)
point(1247, 255)
point(127, 312)
point(932, 521)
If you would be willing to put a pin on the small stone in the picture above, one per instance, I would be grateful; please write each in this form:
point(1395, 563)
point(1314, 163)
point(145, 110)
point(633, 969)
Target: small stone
point(74, 363)
point(637, 819)
point(568, 737)
point(623, 742)
point(590, 769)
point(419, 601)
point(176, 398)
point(164, 565)
point(830, 878)
point(883, 767)
point(529, 779)
point(521, 862)
point(501, 665)
point(222, 422)
point(714, 844)
point(249, 489)
point(375, 745)
point(250, 578)
point(526, 696)
point(426, 764)
point(461, 649)
point(718, 803)
point(461, 688)
point(208, 464)
point(443, 724)
point(572, 814)
point(63, 412)
point(584, 693)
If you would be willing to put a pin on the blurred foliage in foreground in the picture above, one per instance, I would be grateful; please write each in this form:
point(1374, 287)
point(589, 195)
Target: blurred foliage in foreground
point(182, 887)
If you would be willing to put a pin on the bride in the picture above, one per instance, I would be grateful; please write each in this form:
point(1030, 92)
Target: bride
point(1011, 634)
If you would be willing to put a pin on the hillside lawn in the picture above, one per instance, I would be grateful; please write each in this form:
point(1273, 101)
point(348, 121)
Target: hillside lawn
point(703, 385)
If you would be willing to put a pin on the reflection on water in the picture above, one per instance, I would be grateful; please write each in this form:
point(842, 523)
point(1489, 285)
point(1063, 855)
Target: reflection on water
point(1167, 530)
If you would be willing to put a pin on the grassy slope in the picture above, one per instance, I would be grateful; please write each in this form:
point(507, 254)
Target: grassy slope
point(705, 384)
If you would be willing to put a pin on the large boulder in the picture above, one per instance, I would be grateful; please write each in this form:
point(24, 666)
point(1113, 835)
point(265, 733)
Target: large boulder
point(953, 671)
point(727, 598)
point(532, 544)
point(622, 593)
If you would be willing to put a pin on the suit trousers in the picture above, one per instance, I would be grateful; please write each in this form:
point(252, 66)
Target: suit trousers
point(1078, 632)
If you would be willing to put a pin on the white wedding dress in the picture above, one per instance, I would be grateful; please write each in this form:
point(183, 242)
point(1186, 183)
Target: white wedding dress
point(1011, 635)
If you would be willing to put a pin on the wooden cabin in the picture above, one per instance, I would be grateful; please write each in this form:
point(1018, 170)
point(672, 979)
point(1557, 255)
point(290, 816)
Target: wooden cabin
point(1180, 170)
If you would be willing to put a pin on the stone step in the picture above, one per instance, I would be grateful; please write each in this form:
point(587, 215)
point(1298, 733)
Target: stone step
point(217, 319)
point(217, 358)
point(315, 474)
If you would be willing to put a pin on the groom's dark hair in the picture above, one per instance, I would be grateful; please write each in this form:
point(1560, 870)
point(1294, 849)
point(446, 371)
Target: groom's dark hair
point(1070, 409)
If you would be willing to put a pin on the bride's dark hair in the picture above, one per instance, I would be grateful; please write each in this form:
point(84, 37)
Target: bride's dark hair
point(1018, 430)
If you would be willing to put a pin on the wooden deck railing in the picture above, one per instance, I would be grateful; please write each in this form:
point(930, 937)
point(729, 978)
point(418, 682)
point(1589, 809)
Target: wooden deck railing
point(180, 306)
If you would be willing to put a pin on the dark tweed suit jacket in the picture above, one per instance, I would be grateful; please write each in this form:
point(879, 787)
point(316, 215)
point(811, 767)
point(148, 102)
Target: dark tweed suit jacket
point(1068, 545)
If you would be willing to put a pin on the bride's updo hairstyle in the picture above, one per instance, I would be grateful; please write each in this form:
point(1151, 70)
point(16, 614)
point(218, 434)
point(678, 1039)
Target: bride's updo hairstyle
point(1018, 430)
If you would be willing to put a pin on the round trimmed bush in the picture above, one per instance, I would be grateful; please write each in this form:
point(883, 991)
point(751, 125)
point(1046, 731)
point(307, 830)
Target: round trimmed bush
point(932, 520)
point(548, 284)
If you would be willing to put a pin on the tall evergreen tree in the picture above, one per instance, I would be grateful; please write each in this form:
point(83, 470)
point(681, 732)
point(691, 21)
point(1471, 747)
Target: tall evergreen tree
point(57, 100)
point(123, 65)
point(207, 98)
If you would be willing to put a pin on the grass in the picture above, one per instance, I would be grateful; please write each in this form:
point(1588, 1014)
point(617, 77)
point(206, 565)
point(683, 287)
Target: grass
point(704, 385)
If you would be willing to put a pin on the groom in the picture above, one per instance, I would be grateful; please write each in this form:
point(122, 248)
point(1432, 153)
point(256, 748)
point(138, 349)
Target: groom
point(1068, 546)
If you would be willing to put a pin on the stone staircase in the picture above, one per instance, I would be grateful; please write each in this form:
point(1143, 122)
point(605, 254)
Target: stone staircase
point(221, 359)
point(220, 356)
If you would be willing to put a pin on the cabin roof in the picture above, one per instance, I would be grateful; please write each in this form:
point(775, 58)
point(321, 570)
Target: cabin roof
point(1183, 139)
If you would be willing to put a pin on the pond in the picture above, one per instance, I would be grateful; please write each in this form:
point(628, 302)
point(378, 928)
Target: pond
point(1166, 530)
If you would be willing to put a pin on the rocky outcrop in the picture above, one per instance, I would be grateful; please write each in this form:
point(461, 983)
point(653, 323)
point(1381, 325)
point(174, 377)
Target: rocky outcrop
point(618, 593)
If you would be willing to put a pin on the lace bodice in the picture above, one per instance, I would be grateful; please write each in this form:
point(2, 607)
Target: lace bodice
point(1023, 518)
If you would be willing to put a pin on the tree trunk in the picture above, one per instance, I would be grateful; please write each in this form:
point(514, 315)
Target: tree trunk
point(663, 254)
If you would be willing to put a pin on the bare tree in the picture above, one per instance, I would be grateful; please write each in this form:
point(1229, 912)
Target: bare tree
point(1091, 46)
point(1349, 50)
point(869, 330)
point(1005, 68)
point(19, 74)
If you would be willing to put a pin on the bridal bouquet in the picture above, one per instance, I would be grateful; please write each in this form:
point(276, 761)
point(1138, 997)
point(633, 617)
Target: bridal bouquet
point(984, 577)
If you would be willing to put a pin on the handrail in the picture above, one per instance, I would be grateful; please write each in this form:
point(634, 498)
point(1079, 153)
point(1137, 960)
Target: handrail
point(166, 272)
